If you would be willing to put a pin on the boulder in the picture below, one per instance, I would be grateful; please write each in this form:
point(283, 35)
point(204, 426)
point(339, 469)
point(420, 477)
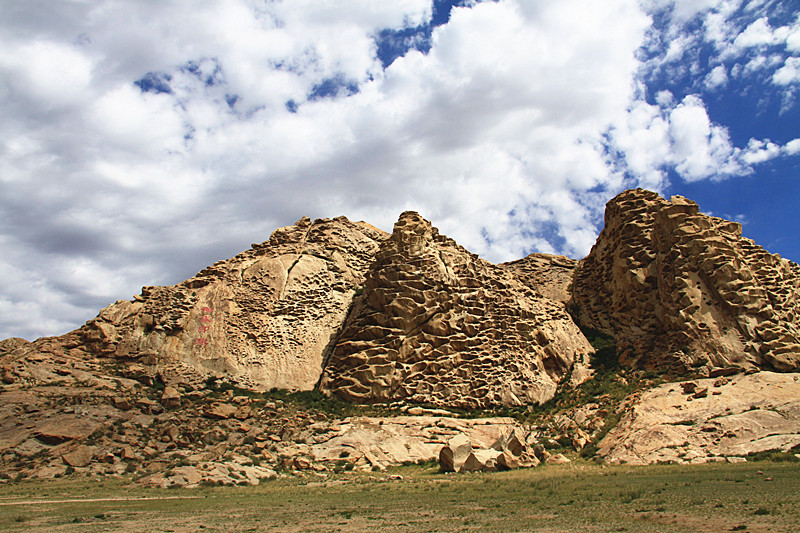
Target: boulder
point(557, 459)
point(220, 411)
point(80, 456)
point(453, 456)
point(171, 398)
point(64, 428)
point(121, 403)
point(481, 461)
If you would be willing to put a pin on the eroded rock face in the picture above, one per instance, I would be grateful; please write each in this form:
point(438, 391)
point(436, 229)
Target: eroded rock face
point(438, 325)
point(680, 290)
point(548, 275)
point(262, 319)
point(708, 419)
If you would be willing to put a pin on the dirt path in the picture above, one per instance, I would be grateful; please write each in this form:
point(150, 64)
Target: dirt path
point(82, 500)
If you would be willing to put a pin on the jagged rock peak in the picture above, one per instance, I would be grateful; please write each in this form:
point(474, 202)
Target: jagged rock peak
point(684, 291)
point(438, 325)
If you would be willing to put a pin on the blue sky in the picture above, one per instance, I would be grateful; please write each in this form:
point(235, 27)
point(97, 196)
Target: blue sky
point(141, 141)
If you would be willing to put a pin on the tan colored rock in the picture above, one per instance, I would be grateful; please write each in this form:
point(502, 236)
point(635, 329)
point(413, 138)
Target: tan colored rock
point(681, 291)
point(171, 398)
point(480, 461)
point(148, 406)
point(453, 455)
point(124, 404)
point(548, 275)
point(59, 429)
point(752, 413)
point(262, 319)
point(186, 476)
point(220, 411)
point(557, 459)
point(438, 325)
point(127, 453)
point(80, 456)
point(400, 439)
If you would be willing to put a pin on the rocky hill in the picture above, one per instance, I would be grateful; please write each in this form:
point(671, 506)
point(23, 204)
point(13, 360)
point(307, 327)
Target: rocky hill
point(681, 291)
point(415, 324)
point(438, 325)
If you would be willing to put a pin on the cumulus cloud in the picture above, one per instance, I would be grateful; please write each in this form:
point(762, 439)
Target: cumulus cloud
point(792, 147)
point(141, 141)
point(718, 77)
point(789, 73)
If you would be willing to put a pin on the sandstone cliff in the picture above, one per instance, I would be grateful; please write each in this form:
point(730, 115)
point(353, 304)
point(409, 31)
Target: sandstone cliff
point(682, 291)
point(262, 319)
point(437, 324)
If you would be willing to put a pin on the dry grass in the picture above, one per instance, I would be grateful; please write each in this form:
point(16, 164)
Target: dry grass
point(754, 497)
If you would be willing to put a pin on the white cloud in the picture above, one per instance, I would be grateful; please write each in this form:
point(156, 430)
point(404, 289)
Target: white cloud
point(792, 147)
point(510, 133)
point(793, 37)
point(789, 73)
point(758, 151)
point(758, 33)
point(718, 77)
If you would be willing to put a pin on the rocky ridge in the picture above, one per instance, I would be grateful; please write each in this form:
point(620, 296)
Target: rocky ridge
point(412, 319)
point(262, 319)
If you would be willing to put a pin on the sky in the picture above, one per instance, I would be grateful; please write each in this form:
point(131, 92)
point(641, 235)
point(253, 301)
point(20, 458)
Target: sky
point(143, 140)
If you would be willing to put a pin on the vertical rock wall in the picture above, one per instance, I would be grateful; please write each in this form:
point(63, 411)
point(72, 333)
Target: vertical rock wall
point(684, 291)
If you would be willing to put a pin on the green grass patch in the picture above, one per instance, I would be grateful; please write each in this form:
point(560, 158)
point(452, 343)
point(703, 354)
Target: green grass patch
point(580, 496)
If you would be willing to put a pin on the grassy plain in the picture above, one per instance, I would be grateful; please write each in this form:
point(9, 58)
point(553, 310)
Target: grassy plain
point(581, 496)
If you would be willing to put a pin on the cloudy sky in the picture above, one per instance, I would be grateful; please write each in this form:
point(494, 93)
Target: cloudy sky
point(141, 140)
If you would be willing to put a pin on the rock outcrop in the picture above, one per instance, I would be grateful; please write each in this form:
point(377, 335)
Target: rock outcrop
point(262, 319)
point(414, 318)
point(548, 275)
point(515, 449)
point(682, 291)
point(708, 419)
point(438, 325)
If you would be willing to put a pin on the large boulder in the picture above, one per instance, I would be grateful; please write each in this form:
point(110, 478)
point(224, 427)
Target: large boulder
point(453, 456)
point(515, 448)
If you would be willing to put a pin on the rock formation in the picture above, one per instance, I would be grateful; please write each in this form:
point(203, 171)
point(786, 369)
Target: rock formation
point(515, 449)
point(709, 419)
point(548, 275)
point(262, 319)
point(414, 318)
point(683, 291)
point(438, 325)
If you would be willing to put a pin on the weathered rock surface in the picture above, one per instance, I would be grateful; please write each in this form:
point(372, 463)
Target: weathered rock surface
point(438, 325)
point(710, 419)
point(380, 442)
point(516, 448)
point(262, 319)
point(548, 275)
point(680, 290)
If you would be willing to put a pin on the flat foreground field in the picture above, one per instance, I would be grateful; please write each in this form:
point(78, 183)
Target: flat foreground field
point(758, 496)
